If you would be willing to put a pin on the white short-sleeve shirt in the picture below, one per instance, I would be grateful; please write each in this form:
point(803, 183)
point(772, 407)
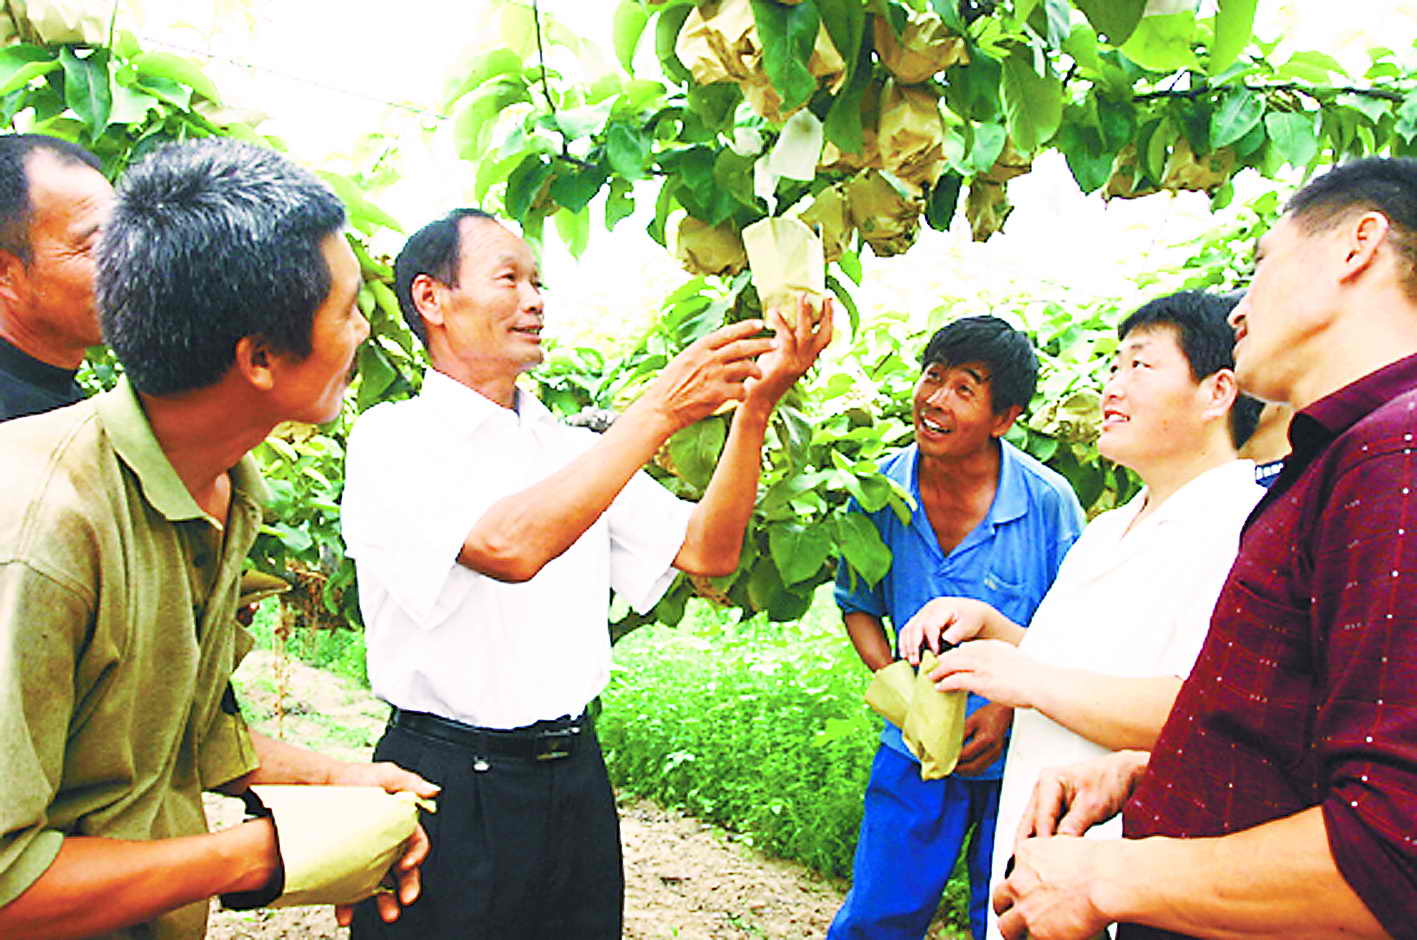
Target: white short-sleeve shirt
point(445, 639)
point(1125, 603)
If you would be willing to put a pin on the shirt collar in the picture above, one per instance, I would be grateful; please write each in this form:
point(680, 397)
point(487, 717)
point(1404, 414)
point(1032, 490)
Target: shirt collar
point(24, 366)
point(1011, 499)
point(469, 408)
point(1010, 495)
point(1336, 412)
point(1198, 495)
point(121, 414)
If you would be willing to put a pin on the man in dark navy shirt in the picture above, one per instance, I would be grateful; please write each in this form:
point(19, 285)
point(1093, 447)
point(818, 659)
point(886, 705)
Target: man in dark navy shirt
point(53, 200)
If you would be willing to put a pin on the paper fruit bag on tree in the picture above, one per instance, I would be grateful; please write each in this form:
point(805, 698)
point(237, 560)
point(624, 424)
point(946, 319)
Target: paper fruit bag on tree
point(787, 262)
point(931, 722)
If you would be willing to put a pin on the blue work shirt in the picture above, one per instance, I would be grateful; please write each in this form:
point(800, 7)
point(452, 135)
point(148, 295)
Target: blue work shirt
point(1008, 561)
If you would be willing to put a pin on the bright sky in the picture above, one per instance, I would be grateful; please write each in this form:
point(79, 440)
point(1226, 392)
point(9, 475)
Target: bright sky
point(332, 72)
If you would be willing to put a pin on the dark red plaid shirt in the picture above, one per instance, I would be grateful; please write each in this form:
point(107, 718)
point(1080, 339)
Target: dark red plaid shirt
point(1305, 693)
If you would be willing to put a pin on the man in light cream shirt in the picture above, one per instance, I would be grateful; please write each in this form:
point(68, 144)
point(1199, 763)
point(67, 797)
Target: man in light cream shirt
point(487, 538)
point(1105, 654)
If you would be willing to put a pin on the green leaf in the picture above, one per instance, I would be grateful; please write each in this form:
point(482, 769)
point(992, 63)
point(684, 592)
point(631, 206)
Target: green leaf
point(1117, 19)
point(627, 149)
point(26, 73)
point(497, 62)
point(1315, 67)
point(375, 375)
point(843, 122)
point(1239, 112)
point(130, 105)
point(363, 214)
point(1293, 135)
point(87, 89)
point(627, 25)
point(734, 174)
point(619, 202)
point(524, 185)
point(989, 140)
point(853, 312)
point(695, 450)
point(862, 547)
point(1033, 103)
point(944, 196)
point(787, 34)
point(1407, 118)
point(666, 34)
point(1234, 24)
point(177, 69)
point(845, 21)
point(1090, 163)
point(576, 186)
point(798, 551)
point(1162, 43)
point(1374, 109)
point(165, 89)
point(574, 229)
point(850, 264)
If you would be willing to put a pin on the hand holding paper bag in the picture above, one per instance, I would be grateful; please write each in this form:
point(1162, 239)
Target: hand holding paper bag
point(931, 722)
point(787, 261)
point(336, 843)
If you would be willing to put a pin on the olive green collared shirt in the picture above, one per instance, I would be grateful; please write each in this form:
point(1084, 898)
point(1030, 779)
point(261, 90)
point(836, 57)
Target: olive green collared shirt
point(117, 640)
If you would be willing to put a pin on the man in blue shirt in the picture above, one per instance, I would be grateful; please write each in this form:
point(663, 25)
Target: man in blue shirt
point(990, 523)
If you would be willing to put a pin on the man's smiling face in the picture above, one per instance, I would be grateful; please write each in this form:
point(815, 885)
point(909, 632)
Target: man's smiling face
point(954, 410)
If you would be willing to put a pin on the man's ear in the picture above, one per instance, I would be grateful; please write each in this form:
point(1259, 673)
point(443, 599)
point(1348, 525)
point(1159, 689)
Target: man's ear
point(1363, 235)
point(1004, 421)
point(1221, 391)
point(12, 276)
point(254, 360)
point(427, 294)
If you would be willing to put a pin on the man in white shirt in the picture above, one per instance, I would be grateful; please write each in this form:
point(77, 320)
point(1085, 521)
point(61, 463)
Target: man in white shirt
point(1105, 654)
point(487, 537)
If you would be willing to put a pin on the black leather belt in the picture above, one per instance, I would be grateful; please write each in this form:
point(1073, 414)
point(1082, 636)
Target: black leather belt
point(545, 740)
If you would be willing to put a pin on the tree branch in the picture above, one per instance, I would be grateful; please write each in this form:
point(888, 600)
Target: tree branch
point(546, 92)
point(1316, 93)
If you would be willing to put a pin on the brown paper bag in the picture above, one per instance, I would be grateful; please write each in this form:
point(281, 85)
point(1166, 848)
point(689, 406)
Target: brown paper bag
point(337, 843)
point(787, 262)
point(931, 723)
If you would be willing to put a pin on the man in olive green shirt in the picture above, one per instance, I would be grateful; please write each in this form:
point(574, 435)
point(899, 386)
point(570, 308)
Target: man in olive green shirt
point(228, 292)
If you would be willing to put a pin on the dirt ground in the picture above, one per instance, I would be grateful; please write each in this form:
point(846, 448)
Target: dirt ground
point(683, 879)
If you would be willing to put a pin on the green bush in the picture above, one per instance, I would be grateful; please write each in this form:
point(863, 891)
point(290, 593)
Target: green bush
point(756, 726)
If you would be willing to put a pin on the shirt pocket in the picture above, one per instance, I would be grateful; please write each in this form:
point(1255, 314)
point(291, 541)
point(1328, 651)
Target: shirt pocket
point(1003, 587)
point(1263, 672)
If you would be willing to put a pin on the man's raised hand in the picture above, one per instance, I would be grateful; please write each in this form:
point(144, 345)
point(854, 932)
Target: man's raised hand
point(712, 370)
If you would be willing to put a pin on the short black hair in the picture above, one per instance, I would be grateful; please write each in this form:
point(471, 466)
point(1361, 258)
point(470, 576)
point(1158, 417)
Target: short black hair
point(1385, 184)
point(1199, 322)
point(1008, 354)
point(434, 250)
point(211, 241)
point(15, 205)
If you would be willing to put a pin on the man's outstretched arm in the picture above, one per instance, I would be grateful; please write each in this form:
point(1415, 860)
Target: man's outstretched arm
point(1278, 879)
point(96, 885)
point(715, 535)
point(520, 533)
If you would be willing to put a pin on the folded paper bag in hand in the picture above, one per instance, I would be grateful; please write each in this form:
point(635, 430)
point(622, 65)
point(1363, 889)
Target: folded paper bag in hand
point(336, 844)
point(931, 722)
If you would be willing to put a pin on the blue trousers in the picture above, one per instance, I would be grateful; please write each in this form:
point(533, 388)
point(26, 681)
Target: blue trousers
point(911, 835)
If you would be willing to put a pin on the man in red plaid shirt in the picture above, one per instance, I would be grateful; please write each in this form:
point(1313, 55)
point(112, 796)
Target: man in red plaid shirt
point(1281, 797)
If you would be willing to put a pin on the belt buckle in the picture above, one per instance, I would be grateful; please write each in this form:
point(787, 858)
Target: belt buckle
point(554, 745)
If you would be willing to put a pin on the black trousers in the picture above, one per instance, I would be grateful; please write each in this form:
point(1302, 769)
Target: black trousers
point(521, 848)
